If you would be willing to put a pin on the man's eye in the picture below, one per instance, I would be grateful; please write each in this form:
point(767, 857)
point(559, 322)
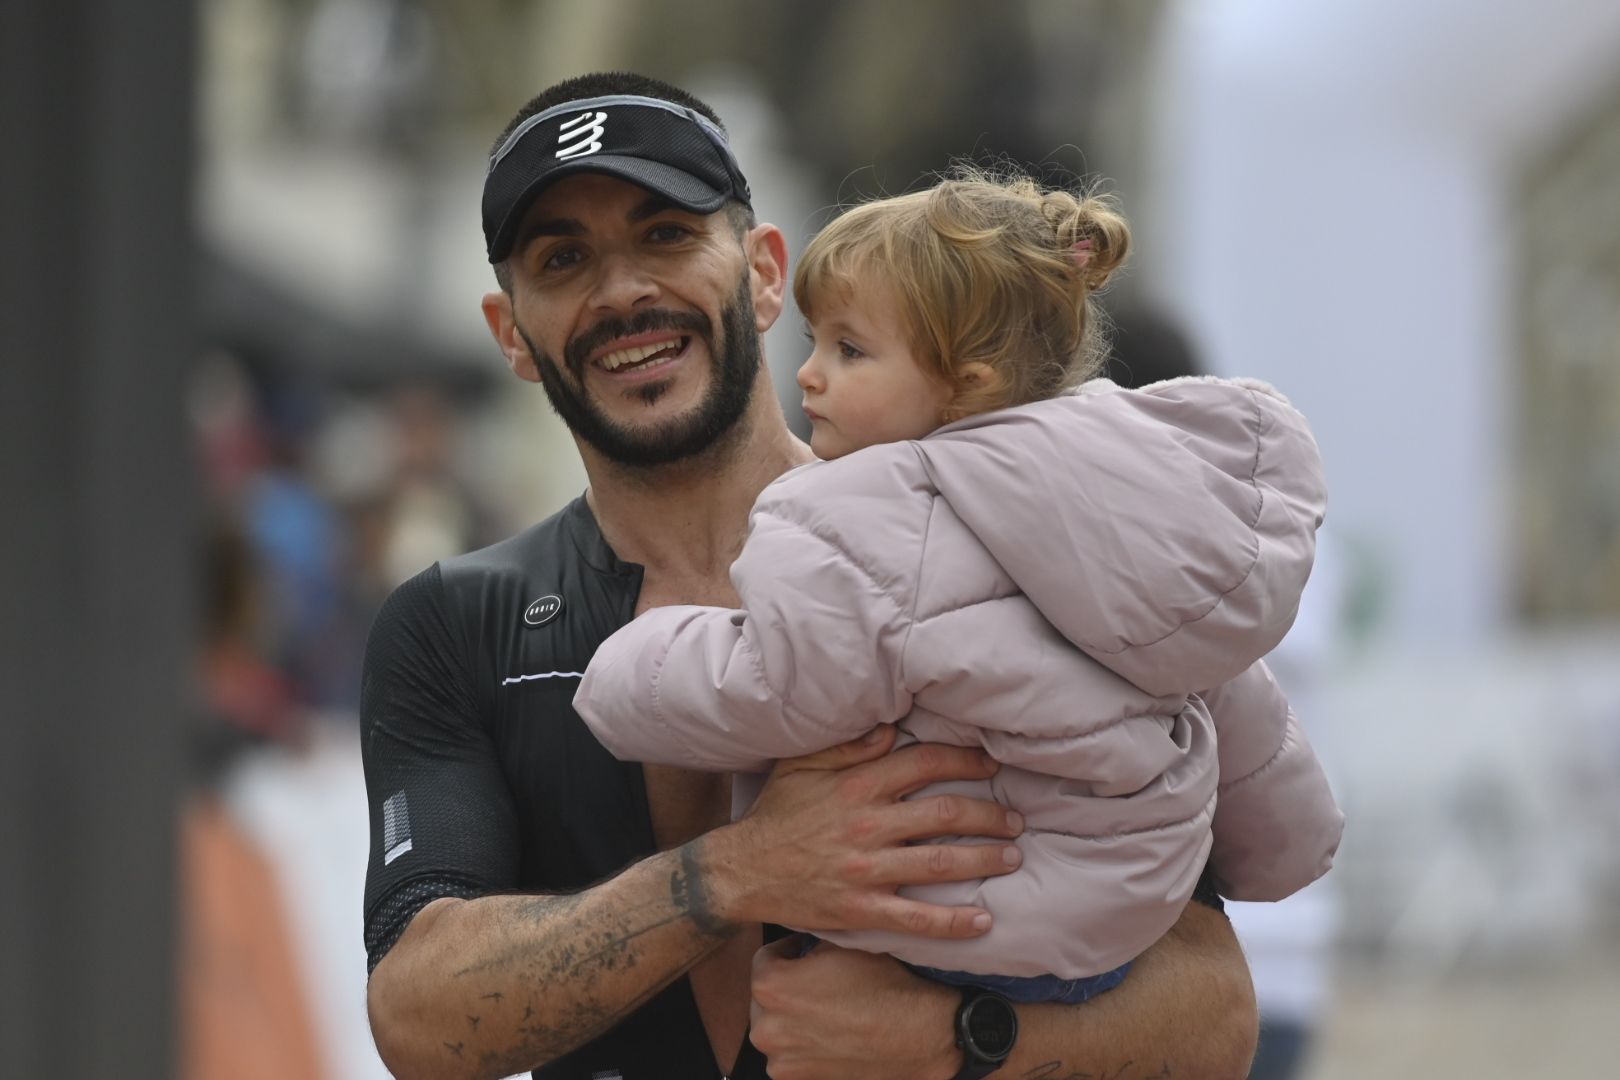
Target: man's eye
point(561, 259)
point(667, 233)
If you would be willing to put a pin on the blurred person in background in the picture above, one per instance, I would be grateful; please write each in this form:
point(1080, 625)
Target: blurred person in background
point(248, 699)
point(432, 512)
point(1289, 944)
point(393, 468)
point(300, 538)
point(254, 428)
point(533, 903)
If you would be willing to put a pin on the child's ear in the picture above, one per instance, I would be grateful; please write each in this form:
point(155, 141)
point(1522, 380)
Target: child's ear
point(972, 381)
point(975, 374)
point(978, 377)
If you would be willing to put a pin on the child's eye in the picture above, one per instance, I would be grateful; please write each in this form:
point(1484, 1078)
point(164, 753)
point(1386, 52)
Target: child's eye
point(849, 351)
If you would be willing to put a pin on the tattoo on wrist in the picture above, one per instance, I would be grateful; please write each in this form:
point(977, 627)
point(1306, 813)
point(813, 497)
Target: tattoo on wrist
point(690, 894)
point(1130, 1070)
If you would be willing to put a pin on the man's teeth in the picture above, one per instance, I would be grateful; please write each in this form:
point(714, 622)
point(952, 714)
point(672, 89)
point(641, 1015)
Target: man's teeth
point(614, 360)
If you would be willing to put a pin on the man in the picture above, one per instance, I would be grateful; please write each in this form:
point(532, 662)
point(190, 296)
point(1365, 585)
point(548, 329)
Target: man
point(506, 929)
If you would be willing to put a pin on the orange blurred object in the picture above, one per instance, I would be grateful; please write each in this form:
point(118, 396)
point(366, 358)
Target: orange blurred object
point(243, 1010)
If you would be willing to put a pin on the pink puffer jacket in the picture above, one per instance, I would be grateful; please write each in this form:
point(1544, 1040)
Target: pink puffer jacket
point(1062, 584)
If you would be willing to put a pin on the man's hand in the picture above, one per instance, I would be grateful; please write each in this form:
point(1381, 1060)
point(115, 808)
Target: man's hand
point(830, 840)
point(855, 1015)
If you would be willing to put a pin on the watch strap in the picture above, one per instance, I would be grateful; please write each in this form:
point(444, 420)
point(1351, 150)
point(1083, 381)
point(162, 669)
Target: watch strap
point(975, 1065)
point(975, 1070)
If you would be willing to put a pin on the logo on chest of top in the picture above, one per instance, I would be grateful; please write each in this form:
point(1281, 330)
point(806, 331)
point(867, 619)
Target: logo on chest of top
point(542, 611)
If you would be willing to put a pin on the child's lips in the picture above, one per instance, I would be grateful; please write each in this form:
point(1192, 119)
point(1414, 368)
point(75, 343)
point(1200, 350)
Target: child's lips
point(812, 414)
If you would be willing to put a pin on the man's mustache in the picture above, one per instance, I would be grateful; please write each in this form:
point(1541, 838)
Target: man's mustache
point(642, 322)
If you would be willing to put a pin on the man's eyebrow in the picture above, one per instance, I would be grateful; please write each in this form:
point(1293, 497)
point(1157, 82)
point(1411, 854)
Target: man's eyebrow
point(547, 227)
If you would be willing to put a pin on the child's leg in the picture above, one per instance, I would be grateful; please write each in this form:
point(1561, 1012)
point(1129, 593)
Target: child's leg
point(1032, 988)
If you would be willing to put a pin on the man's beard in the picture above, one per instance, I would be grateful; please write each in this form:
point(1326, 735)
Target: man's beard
point(736, 366)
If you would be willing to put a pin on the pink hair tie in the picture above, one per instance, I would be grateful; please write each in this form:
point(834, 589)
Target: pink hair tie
point(1080, 252)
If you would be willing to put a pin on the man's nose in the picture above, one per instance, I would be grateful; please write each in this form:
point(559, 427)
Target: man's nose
point(622, 284)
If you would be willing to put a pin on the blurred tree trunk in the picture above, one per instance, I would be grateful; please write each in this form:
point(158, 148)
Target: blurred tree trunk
point(95, 336)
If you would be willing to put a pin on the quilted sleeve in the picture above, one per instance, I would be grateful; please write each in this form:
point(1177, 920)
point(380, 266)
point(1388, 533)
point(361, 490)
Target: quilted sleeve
point(1277, 825)
point(810, 660)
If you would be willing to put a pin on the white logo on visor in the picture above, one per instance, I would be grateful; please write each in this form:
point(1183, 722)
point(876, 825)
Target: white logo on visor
point(580, 136)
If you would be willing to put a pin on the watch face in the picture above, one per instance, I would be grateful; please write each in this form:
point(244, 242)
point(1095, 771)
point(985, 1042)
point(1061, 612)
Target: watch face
point(991, 1025)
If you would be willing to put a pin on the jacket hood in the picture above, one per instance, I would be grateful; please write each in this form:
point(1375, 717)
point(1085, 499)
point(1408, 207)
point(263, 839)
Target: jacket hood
point(1166, 532)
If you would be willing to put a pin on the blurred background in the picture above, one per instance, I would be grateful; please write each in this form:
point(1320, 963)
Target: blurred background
point(247, 390)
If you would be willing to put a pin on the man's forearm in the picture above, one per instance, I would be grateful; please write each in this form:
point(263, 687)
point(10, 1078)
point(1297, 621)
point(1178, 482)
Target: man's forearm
point(502, 984)
point(1187, 1009)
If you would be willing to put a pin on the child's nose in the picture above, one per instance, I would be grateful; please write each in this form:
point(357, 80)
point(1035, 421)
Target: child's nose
point(809, 377)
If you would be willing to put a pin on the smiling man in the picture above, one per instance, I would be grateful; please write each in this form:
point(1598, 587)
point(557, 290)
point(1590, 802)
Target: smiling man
point(531, 902)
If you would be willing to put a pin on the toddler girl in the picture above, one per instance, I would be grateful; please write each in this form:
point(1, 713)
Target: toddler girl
point(1082, 583)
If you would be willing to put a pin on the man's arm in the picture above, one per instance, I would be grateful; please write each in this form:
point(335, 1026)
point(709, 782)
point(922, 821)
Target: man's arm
point(1187, 1009)
point(490, 986)
point(502, 984)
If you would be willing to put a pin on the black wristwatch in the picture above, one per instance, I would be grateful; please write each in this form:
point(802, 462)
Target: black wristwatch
point(986, 1028)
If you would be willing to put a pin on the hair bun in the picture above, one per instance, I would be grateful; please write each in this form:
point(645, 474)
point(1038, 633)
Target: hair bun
point(1092, 230)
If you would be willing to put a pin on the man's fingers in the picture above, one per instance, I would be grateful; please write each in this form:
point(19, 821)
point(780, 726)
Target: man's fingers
point(916, 766)
point(950, 815)
point(874, 744)
point(928, 920)
point(924, 864)
point(766, 980)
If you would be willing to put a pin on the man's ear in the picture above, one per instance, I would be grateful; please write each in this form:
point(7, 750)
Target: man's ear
point(767, 273)
point(503, 328)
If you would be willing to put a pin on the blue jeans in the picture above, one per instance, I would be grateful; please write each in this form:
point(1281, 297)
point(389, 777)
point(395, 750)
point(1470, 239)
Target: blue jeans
point(1024, 989)
point(1028, 989)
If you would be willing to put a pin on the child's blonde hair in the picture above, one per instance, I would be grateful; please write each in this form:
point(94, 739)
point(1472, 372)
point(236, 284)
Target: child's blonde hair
point(994, 276)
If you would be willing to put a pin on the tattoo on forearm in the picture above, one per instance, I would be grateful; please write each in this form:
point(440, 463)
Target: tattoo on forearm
point(590, 954)
point(577, 1023)
point(1057, 1070)
point(689, 894)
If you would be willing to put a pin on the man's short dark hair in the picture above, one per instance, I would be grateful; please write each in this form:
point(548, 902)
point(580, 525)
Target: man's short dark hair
point(603, 84)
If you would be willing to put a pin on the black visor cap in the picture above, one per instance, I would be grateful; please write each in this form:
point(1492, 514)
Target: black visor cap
point(663, 147)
